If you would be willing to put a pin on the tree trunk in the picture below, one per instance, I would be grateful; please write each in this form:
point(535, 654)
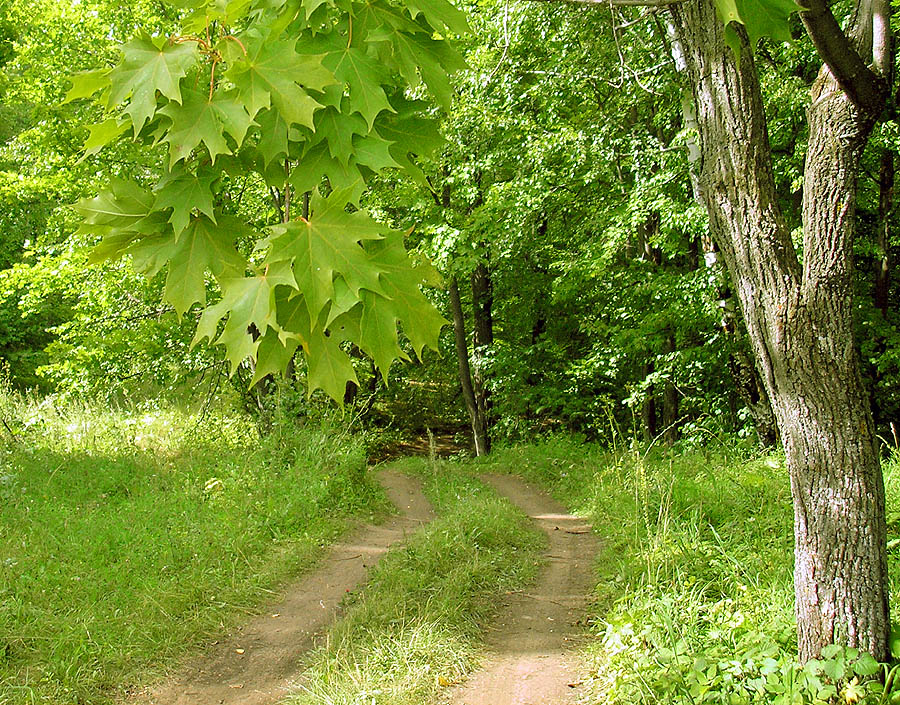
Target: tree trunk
point(670, 396)
point(800, 325)
point(882, 237)
point(479, 430)
point(483, 339)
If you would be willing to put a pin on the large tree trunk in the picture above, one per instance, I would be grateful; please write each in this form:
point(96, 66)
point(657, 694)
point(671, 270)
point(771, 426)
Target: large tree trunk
point(800, 324)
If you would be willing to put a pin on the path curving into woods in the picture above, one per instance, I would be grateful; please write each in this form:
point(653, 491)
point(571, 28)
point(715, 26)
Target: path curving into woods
point(257, 664)
point(532, 639)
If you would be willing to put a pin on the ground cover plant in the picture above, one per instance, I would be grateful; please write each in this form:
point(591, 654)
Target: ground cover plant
point(127, 536)
point(415, 629)
point(695, 593)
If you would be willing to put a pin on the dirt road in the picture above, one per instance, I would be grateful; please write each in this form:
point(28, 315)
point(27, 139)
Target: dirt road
point(532, 638)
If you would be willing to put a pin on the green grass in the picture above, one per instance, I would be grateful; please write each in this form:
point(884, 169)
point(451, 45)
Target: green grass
point(126, 537)
point(416, 627)
point(695, 597)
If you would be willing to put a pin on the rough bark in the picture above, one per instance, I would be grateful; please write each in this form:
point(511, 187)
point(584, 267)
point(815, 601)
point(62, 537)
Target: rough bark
point(479, 430)
point(800, 324)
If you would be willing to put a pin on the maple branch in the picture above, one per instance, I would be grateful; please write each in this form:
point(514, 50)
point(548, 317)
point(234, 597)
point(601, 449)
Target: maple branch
point(864, 87)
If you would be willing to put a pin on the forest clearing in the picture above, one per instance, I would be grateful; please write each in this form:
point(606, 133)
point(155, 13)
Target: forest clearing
point(409, 352)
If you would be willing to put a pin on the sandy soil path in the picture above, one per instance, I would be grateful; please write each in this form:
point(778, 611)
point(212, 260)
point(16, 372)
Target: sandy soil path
point(257, 664)
point(532, 638)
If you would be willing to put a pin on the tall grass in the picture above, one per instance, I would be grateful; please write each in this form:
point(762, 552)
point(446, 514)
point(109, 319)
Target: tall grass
point(129, 535)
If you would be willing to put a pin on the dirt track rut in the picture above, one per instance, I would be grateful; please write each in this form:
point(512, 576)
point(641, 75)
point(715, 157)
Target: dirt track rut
point(532, 638)
point(257, 664)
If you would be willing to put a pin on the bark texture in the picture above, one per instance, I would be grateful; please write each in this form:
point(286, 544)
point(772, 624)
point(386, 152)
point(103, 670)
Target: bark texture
point(800, 323)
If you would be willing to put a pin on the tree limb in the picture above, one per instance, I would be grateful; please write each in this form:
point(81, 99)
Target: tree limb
point(863, 86)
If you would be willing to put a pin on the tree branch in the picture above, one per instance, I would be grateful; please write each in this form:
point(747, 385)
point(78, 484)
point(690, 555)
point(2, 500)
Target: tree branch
point(863, 86)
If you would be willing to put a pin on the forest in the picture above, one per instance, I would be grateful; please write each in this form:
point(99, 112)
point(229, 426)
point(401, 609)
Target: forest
point(409, 352)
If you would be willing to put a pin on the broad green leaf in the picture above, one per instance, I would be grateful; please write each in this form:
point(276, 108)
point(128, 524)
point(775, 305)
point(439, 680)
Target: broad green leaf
point(373, 152)
point(196, 120)
point(364, 76)
point(273, 355)
point(273, 136)
point(378, 331)
point(150, 65)
point(434, 60)
point(248, 302)
point(761, 18)
point(121, 207)
point(440, 13)
point(202, 246)
point(330, 367)
point(328, 244)
point(337, 129)
point(273, 73)
point(401, 281)
point(184, 192)
point(102, 134)
point(86, 83)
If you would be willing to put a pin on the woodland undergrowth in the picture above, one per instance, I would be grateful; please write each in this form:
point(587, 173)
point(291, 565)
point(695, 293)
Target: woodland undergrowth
point(694, 602)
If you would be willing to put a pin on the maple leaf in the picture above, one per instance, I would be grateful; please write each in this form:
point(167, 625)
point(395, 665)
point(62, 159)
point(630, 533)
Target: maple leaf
point(199, 119)
point(326, 245)
point(119, 209)
point(761, 18)
point(202, 246)
point(183, 192)
point(329, 367)
point(440, 13)
point(378, 331)
point(149, 64)
point(246, 301)
point(373, 152)
point(101, 134)
point(337, 129)
point(86, 83)
point(400, 282)
point(272, 73)
point(364, 76)
point(434, 60)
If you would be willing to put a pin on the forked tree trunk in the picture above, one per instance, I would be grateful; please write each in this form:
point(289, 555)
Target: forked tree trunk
point(800, 323)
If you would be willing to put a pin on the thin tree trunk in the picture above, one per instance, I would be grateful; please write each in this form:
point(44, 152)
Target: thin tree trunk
point(479, 433)
point(483, 339)
point(882, 238)
point(800, 325)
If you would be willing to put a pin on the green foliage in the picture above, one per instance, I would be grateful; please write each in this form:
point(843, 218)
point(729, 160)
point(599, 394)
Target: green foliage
point(286, 93)
point(415, 628)
point(129, 536)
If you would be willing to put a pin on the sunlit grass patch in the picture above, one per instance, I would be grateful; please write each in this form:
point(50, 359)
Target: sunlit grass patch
point(128, 535)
